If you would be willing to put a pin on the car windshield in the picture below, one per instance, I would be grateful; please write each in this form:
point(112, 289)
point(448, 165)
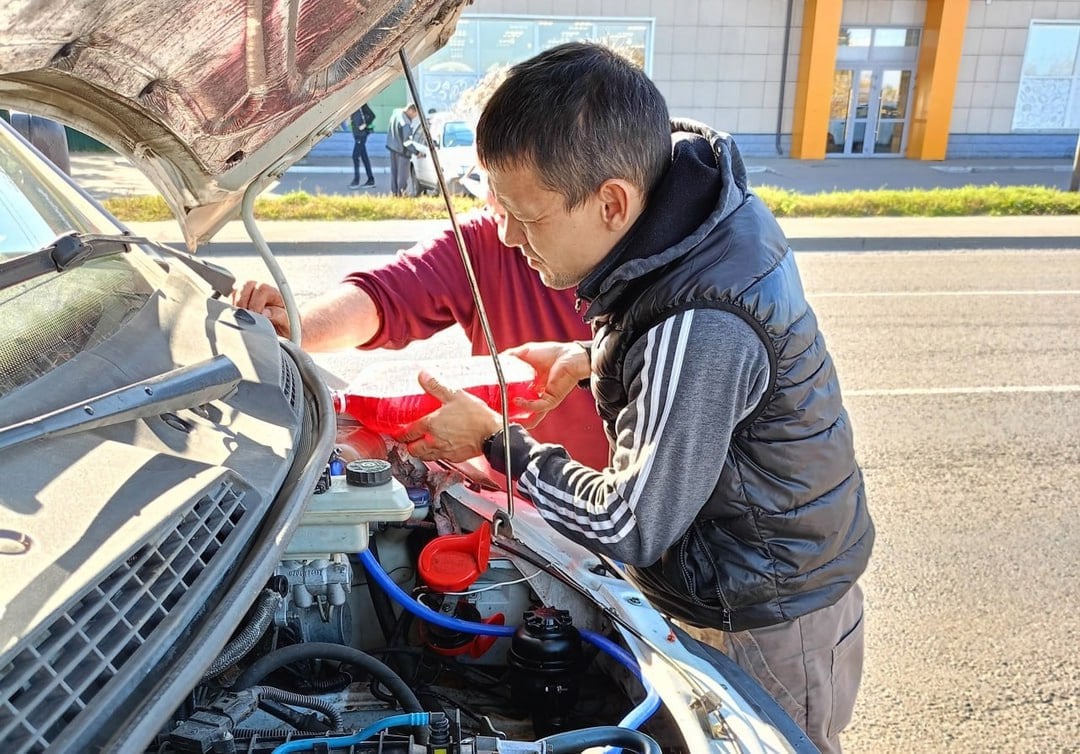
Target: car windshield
point(457, 134)
point(49, 320)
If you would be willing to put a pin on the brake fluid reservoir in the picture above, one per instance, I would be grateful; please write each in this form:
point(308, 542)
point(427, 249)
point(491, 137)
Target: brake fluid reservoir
point(338, 520)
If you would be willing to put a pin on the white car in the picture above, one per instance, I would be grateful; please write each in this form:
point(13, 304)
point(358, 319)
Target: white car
point(198, 555)
point(455, 141)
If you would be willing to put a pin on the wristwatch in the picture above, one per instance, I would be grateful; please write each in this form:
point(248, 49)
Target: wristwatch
point(488, 445)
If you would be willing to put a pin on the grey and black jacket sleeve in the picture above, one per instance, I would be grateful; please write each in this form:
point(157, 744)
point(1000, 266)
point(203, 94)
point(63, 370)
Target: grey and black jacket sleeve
point(691, 379)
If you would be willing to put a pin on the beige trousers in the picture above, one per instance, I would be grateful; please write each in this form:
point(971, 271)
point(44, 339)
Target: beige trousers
point(811, 665)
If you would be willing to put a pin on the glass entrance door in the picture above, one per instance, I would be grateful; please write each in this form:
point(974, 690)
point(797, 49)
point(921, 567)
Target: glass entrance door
point(893, 95)
point(869, 111)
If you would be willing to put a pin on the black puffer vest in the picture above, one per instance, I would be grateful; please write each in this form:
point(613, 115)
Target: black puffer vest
point(786, 530)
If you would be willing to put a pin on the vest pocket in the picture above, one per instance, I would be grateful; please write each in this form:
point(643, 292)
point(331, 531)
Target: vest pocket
point(698, 572)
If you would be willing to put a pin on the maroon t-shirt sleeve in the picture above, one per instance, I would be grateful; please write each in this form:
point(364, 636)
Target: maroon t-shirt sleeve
point(423, 291)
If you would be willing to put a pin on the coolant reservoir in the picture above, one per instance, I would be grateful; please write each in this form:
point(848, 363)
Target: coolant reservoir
point(386, 397)
point(337, 520)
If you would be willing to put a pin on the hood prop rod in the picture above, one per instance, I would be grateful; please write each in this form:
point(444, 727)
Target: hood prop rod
point(247, 212)
point(503, 522)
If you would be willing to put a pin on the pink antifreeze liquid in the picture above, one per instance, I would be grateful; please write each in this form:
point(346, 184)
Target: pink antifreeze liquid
point(386, 396)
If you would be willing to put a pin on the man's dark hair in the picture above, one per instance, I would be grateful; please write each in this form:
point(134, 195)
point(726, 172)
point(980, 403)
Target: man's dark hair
point(578, 114)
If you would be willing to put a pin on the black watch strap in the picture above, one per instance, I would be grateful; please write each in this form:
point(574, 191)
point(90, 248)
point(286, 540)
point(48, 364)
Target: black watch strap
point(488, 445)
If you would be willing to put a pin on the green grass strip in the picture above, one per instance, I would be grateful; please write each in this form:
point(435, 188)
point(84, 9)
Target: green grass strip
point(940, 202)
point(303, 206)
point(943, 202)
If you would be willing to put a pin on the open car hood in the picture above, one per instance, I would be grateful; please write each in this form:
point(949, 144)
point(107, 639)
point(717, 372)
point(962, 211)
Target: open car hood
point(208, 97)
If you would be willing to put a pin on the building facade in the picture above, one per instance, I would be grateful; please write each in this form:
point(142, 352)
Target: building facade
point(809, 79)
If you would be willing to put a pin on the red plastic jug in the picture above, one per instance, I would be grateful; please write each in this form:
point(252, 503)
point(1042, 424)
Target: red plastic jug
point(386, 397)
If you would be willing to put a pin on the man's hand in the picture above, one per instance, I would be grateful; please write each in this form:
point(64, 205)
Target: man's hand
point(343, 317)
point(455, 432)
point(559, 368)
point(266, 300)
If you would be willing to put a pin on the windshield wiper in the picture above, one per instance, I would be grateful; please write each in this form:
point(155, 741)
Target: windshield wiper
point(66, 252)
point(216, 276)
point(72, 249)
point(175, 390)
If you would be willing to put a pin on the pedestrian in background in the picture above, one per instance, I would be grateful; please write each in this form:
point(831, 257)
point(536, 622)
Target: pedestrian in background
point(399, 133)
point(361, 121)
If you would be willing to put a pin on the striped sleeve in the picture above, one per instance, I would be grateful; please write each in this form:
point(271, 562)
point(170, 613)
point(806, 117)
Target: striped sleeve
point(689, 380)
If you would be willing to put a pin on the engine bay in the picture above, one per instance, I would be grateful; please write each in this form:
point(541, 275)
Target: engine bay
point(397, 623)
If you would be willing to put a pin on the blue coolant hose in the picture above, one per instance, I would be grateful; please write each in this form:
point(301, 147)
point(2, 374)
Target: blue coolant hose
point(341, 742)
point(634, 719)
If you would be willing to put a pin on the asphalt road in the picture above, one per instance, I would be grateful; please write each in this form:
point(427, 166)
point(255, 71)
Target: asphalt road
point(961, 371)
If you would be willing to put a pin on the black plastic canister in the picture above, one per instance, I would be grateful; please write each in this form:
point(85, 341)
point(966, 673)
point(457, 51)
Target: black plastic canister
point(547, 657)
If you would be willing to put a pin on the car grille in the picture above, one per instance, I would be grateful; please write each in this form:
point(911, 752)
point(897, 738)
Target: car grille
point(290, 380)
point(69, 661)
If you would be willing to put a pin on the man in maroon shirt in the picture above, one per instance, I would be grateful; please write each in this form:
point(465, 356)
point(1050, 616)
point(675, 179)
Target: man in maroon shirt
point(425, 290)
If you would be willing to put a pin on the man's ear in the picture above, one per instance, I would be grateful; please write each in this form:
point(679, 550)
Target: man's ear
point(620, 204)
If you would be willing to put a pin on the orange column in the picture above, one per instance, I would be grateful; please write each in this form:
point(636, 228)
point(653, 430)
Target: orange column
point(935, 78)
point(817, 66)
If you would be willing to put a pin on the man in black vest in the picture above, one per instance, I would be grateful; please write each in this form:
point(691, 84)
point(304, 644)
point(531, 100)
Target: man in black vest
point(733, 492)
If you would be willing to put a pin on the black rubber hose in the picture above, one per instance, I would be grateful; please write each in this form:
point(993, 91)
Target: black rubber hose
point(307, 702)
point(324, 650)
point(324, 685)
point(304, 721)
point(576, 741)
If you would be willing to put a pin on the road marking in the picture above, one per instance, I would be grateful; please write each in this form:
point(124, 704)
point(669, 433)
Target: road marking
point(975, 390)
point(912, 294)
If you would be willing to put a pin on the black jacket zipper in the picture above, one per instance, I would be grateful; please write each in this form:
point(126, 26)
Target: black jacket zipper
point(691, 582)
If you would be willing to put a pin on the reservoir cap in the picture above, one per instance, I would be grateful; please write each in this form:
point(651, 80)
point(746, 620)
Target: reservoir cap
point(420, 496)
point(367, 472)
